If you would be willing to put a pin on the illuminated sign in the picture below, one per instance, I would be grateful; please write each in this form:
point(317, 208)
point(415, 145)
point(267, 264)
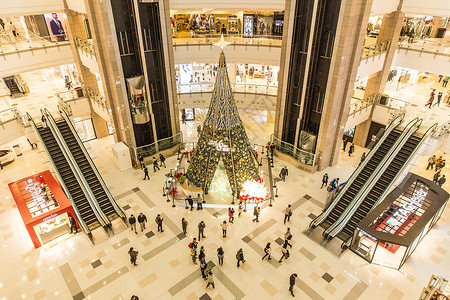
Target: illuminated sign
point(52, 216)
point(34, 189)
point(220, 146)
point(405, 211)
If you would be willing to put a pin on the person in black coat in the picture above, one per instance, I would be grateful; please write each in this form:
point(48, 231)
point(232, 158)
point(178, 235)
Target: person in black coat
point(324, 180)
point(146, 173)
point(162, 159)
point(132, 221)
point(292, 280)
point(190, 201)
point(73, 225)
point(142, 219)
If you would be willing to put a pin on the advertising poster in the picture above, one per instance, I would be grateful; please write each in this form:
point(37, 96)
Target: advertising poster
point(56, 26)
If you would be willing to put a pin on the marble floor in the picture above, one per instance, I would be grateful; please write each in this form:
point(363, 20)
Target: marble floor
point(71, 268)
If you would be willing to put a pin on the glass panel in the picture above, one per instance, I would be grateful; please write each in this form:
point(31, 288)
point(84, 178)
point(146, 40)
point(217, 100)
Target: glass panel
point(364, 245)
point(389, 255)
point(85, 130)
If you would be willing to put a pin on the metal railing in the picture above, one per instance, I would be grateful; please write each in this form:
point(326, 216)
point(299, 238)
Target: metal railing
point(12, 44)
point(235, 39)
point(163, 144)
point(393, 103)
point(374, 49)
point(363, 103)
point(85, 45)
point(302, 156)
point(64, 97)
point(438, 46)
point(189, 88)
point(12, 113)
point(99, 99)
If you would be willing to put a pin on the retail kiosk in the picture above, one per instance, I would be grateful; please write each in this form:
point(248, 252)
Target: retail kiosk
point(43, 206)
point(390, 233)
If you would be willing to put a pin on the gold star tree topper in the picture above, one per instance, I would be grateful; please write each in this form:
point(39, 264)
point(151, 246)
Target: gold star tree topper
point(222, 43)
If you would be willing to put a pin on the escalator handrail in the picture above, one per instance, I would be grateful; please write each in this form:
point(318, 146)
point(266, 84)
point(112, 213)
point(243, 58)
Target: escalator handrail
point(427, 133)
point(83, 225)
point(103, 220)
point(343, 219)
point(319, 219)
point(116, 207)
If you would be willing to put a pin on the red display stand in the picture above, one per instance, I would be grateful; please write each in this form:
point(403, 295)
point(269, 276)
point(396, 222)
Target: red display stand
point(43, 206)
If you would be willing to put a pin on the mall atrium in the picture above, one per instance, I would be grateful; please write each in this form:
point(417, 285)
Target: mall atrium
point(192, 149)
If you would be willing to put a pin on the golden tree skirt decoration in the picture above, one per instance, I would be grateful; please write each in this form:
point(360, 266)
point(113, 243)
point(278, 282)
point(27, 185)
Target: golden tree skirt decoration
point(254, 191)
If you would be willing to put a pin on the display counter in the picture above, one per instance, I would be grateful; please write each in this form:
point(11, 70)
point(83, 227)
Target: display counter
point(390, 233)
point(43, 206)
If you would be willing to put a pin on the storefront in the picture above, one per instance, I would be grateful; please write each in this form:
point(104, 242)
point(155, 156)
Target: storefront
point(85, 129)
point(390, 233)
point(43, 206)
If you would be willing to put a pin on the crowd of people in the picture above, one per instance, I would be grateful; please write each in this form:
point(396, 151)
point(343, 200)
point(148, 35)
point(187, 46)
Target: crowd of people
point(437, 164)
point(155, 164)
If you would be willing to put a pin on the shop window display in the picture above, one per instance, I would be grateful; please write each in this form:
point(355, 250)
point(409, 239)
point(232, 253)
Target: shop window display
point(85, 129)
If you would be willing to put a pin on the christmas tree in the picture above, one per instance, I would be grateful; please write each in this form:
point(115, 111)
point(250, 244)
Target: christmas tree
point(222, 138)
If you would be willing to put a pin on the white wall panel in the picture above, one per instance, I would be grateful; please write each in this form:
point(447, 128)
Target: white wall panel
point(371, 65)
point(381, 7)
point(440, 8)
point(234, 54)
point(76, 5)
point(243, 100)
point(10, 130)
point(80, 107)
point(10, 8)
point(89, 61)
point(357, 118)
point(422, 61)
point(227, 5)
point(29, 60)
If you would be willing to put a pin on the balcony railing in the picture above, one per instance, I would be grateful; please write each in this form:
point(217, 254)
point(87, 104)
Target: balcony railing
point(189, 88)
point(302, 156)
point(96, 97)
point(374, 49)
point(152, 149)
point(10, 44)
point(235, 39)
point(361, 104)
point(85, 45)
point(438, 46)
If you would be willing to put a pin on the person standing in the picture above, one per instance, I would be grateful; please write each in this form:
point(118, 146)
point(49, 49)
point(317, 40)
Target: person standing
point(439, 98)
point(184, 225)
point(363, 158)
point(240, 257)
point(201, 228)
point(287, 238)
point(133, 256)
point(267, 251)
point(73, 225)
point(287, 213)
point(441, 181)
point(132, 221)
point(202, 254)
point(284, 173)
point(13, 29)
point(146, 173)
point(220, 254)
point(324, 180)
point(162, 159)
point(199, 202)
point(445, 81)
point(194, 255)
point(438, 163)
point(155, 164)
point(159, 221)
point(351, 149)
point(436, 177)
point(292, 280)
point(345, 141)
point(142, 219)
point(183, 118)
point(203, 267)
point(190, 201)
point(210, 280)
point(240, 209)
point(431, 162)
point(441, 165)
point(272, 149)
point(230, 215)
point(284, 252)
point(141, 161)
point(224, 226)
point(57, 28)
point(256, 214)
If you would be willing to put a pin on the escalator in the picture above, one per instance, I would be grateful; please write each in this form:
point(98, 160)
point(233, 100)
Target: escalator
point(381, 186)
point(92, 177)
point(361, 179)
point(67, 176)
point(11, 84)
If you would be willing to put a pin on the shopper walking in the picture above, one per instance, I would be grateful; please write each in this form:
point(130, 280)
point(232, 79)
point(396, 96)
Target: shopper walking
point(292, 280)
point(133, 256)
point(146, 173)
point(141, 161)
point(159, 222)
point(73, 225)
point(439, 98)
point(267, 252)
point(224, 226)
point(287, 237)
point(184, 225)
point(203, 267)
point(210, 280)
point(220, 255)
point(438, 163)
point(155, 164)
point(240, 209)
point(132, 221)
point(201, 228)
point(284, 252)
point(190, 201)
point(240, 257)
point(324, 180)
point(345, 141)
point(431, 162)
point(230, 215)
point(194, 255)
point(256, 211)
point(202, 254)
point(283, 173)
point(287, 213)
point(445, 81)
point(351, 149)
point(442, 180)
point(441, 165)
point(162, 159)
point(436, 177)
point(363, 158)
point(142, 219)
point(199, 202)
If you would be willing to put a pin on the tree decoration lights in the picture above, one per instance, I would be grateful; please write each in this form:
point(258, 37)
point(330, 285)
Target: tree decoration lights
point(254, 191)
point(222, 138)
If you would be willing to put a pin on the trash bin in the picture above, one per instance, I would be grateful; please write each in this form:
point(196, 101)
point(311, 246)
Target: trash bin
point(384, 99)
point(79, 92)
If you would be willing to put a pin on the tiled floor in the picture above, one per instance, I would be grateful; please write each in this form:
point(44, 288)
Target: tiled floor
point(71, 268)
